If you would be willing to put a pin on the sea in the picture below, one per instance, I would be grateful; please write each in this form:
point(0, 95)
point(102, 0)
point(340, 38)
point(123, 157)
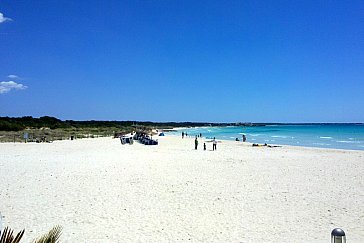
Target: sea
point(335, 136)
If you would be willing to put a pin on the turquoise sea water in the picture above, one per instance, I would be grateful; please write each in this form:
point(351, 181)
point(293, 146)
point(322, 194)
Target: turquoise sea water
point(339, 136)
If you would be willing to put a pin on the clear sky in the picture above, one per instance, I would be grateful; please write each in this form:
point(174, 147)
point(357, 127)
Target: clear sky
point(166, 60)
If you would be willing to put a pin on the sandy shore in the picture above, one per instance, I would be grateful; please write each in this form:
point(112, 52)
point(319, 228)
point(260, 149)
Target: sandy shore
point(101, 191)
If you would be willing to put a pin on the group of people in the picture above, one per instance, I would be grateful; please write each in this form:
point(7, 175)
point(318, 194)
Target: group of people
point(244, 139)
point(184, 134)
point(214, 143)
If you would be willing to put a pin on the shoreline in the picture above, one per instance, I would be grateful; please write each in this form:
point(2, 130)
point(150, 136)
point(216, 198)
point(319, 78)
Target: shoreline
point(280, 145)
point(347, 137)
point(190, 137)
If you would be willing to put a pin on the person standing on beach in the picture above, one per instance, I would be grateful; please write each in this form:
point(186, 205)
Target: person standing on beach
point(204, 146)
point(214, 142)
point(244, 138)
point(183, 134)
point(196, 143)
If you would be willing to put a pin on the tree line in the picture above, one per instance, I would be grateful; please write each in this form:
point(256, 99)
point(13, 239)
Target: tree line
point(21, 123)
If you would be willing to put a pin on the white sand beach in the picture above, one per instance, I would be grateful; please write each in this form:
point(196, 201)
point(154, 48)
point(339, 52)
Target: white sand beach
point(102, 191)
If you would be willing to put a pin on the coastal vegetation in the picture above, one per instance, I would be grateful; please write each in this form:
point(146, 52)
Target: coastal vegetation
point(22, 123)
point(46, 128)
point(7, 236)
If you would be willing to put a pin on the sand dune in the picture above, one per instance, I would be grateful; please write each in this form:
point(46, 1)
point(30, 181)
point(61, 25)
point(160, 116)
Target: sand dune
point(101, 191)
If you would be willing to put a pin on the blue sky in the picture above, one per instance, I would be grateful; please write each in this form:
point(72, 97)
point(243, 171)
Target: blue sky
point(215, 61)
